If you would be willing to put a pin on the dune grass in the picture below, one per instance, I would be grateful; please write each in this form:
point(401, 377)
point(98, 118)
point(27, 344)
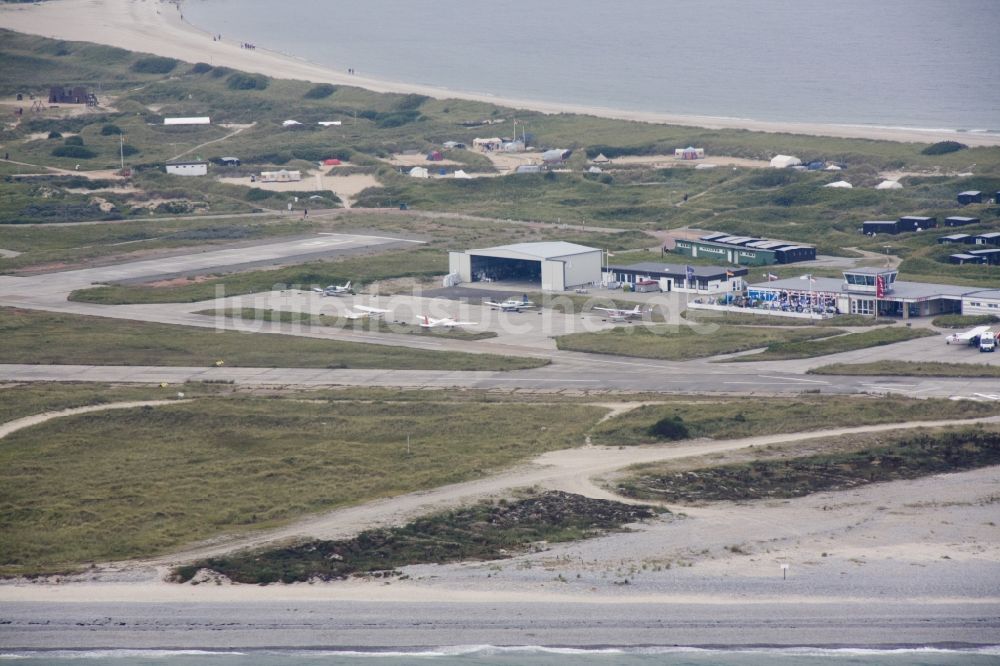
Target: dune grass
point(129, 483)
point(750, 416)
point(847, 462)
point(53, 338)
point(678, 343)
point(909, 369)
point(780, 351)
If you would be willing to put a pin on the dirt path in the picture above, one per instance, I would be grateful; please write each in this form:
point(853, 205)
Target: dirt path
point(35, 419)
point(570, 470)
point(239, 128)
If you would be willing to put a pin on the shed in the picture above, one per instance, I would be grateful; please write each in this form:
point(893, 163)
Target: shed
point(187, 168)
point(989, 238)
point(872, 227)
point(991, 256)
point(964, 239)
point(959, 221)
point(555, 265)
point(966, 259)
point(193, 120)
point(916, 223)
point(889, 185)
point(785, 161)
point(969, 197)
point(556, 155)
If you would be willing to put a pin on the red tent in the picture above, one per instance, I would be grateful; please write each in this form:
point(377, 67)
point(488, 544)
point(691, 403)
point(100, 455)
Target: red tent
point(333, 161)
point(435, 156)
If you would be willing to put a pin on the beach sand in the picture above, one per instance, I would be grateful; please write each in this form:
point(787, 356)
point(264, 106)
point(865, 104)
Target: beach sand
point(157, 27)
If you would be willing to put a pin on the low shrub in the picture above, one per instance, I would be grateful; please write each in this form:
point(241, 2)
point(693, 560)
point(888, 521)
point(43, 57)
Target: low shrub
point(669, 427)
point(55, 135)
point(110, 130)
point(74, 141)
point(154, 65)
point(201, 68)
point(321, 91)
point(78, 152)
point(240, 81)
point(943, 147)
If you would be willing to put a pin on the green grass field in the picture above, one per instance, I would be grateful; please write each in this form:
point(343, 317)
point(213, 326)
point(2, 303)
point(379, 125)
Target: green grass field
point(780, 351)
point(909, 369)
point(50, 338)
point(751, 416)
point(129, 483)
point(748, 319)
point(679, 343)
point(846, 463)
point(369, 324)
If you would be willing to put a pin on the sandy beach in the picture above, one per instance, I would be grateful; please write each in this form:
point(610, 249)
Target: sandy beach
point(157, 27)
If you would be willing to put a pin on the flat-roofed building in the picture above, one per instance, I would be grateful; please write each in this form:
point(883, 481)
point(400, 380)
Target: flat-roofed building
point(960, 221)
point(745, 250)
point(679, 277)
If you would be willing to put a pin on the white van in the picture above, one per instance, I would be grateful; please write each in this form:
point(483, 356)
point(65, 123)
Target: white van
point(988, 341)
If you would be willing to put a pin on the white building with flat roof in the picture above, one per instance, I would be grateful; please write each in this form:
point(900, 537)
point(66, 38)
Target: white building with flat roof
point(187, 168)
point(555, 265)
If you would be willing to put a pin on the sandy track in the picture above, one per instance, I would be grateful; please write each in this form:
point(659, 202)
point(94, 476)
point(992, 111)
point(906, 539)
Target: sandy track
point(570, 470)
point(35, 419)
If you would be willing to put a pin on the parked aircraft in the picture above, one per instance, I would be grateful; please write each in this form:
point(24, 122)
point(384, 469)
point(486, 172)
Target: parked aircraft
point(447, 322)
point(970, 337)
point(512, 304)
point(334, 290)
point(365, 312)
point(617, 314)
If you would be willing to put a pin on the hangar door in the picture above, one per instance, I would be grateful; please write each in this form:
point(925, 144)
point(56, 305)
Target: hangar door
point(503, 268)
point(553, 277)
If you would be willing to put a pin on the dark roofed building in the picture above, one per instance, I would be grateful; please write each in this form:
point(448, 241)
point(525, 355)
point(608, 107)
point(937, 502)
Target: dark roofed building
point(61, 95)
point(970, 196)
point(915, 223)
point(871, 227)
point(989, 238)
point(746, 250)
point(966, 259)
point(991, 256)
point(965, 239)
point(960, 221)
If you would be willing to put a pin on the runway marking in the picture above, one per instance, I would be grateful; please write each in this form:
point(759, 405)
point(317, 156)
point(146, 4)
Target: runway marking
point(795, 379)
point(766, 383)
point(894, 385)
point(533, 379)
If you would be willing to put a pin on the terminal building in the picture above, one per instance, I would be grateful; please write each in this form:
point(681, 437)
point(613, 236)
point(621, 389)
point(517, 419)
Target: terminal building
point(745, 250)
point(555, 265)
point(677, 277)
point(862, 291)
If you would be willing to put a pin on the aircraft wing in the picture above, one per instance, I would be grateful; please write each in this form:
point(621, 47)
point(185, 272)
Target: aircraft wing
point(369, 309)
point(613, 311)
point(496, 305)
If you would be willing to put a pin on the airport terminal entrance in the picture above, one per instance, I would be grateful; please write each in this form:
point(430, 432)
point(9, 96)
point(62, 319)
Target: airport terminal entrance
point(496, 269)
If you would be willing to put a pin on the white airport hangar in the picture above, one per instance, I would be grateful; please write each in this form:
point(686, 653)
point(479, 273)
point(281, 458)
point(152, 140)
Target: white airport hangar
point(555, 265)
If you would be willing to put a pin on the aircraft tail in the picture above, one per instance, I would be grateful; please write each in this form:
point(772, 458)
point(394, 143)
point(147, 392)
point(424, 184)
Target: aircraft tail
point(348, 285)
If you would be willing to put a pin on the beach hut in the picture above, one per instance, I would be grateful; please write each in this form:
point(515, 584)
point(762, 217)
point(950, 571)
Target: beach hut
point(889, 185)
point(434, 156)
point(840, 184)
point(785, 161)
point(419, 172)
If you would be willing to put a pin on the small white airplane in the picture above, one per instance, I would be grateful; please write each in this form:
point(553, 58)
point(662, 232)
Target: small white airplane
point(511, 304)
point(617, 314)
point(365, 312)
point(447, 322)
point(970, 337)
point(333, 289)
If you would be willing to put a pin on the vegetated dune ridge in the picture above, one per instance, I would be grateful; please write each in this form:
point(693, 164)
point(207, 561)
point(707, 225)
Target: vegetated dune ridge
point(158, 28)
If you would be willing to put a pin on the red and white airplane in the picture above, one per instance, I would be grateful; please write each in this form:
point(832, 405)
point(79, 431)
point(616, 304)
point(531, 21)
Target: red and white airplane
point(447, 322)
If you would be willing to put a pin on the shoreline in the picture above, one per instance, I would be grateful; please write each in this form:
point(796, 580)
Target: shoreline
point(156, 27)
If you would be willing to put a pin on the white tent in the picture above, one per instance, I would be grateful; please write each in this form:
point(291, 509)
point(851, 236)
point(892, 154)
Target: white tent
point(600, 159)
point(832, 167)
point(461, 174)
point(419, 172)
point(289, 123)
point(843, 184)
point(889, 185)
point(785, 161)
point(595, 169)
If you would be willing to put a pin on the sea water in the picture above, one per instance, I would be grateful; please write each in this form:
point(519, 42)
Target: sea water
point(909, 63)
point(522, 656)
